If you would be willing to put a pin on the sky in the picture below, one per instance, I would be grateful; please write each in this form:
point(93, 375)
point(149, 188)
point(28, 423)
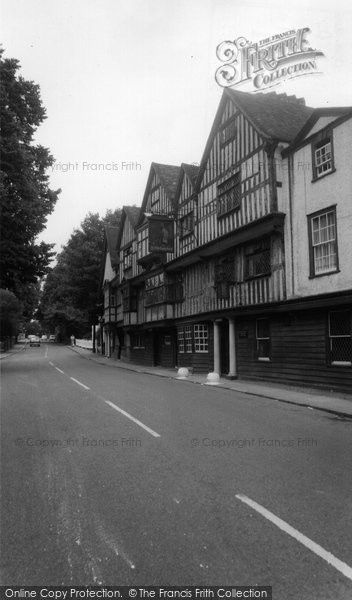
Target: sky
point(129, 82)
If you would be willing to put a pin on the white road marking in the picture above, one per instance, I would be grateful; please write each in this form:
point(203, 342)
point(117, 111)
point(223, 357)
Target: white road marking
point(46, 352)
point(52, 364)
point(126, 414)
point(79, 383)
point(308, 543)
point(60, 371)
point(176, 500)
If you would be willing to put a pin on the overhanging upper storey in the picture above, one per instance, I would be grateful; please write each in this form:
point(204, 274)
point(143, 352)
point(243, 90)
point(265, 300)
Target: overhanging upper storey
point(156, 223)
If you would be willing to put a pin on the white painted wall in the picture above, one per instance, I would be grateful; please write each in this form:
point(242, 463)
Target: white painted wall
point(309, 197)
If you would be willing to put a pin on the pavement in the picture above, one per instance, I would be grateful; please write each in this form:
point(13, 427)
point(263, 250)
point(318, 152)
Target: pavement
point(331, 402)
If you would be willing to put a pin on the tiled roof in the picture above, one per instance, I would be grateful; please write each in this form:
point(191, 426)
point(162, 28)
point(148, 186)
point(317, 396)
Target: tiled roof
point(168, 175)
point(276, 116)
point(133, 213)
point(192, 172)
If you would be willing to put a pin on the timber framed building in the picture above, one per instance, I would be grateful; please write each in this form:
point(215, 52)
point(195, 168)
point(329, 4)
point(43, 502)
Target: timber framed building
point(242, 265)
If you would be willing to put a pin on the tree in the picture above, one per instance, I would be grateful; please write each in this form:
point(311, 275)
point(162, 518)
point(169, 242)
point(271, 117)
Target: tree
point(71, 290)
point(26, 199)
point(10, 310)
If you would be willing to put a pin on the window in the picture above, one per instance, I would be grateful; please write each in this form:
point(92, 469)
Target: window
point(127, 258)
point(138, 341)
point(323, 243)
point(258, 260)
point(322, 158)
point(263, 339)
point(340, 337)
point(224, 276)
point(228, 132)
point(200, 338)
point(186, 224)
point(229, 195)
point(142, 248)
point(188, 338)
point(181, 341)
point(155, 195)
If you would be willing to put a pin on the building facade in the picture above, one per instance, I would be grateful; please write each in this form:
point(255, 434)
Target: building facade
point(242, 265)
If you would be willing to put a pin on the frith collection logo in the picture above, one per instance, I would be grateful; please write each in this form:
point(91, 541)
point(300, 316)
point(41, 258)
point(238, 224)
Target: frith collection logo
point(268, 62)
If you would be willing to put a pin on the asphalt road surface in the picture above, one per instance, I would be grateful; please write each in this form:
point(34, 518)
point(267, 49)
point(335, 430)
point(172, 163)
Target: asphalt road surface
point(111, 477)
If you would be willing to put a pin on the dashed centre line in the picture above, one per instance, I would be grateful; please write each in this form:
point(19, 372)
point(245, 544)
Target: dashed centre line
point(120, 410)
point(79, 383)
point(338, 564)
point(126, 414)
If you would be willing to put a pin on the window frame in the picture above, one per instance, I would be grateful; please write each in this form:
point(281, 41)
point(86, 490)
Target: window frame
point(181, 341)
point(127, 257)
point(250, 254)
point(187, 224)
point(228, 132)
point(324, 138)
point(312, 264)
point(188, 339)
point(138, 341)
point(266, 358)
point(230, 185)
point(339, 363)
point(201, 338)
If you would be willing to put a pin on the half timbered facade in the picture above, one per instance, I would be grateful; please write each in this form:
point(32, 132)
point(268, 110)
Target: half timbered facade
point(206, 268)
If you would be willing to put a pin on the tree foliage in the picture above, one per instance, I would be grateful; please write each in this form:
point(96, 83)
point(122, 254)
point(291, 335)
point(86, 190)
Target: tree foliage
point(71, 290)
point(10, 310)
point(26, 199)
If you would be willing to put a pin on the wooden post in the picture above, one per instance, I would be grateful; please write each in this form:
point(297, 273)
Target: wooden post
point(216, 348)
point(232, 350)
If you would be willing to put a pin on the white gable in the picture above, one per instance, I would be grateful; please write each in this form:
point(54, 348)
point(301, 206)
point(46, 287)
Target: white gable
point(320, 124)
point(109, 273)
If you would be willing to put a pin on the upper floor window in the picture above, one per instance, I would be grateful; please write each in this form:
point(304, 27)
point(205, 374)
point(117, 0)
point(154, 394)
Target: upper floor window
point(340, 337)
point(323, 242)
point(186, 224)
point(228, 132)
point(155, 195)
point(142, 246)
point(323, 162)
point(258, 260)
point(229, 195)
point(127, 258)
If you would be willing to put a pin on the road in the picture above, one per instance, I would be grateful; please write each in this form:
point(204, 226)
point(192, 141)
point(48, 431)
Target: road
point(111, 477)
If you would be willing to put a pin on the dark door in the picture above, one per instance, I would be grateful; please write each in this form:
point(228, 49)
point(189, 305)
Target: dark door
point(157, 348)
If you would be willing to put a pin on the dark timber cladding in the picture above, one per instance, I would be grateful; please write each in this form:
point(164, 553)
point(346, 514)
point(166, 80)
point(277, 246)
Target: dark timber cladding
point(200, 272)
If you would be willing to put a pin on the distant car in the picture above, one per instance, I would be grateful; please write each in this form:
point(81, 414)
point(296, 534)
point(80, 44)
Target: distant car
point(44, 338)
point(34, 340)
point(52, 338)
